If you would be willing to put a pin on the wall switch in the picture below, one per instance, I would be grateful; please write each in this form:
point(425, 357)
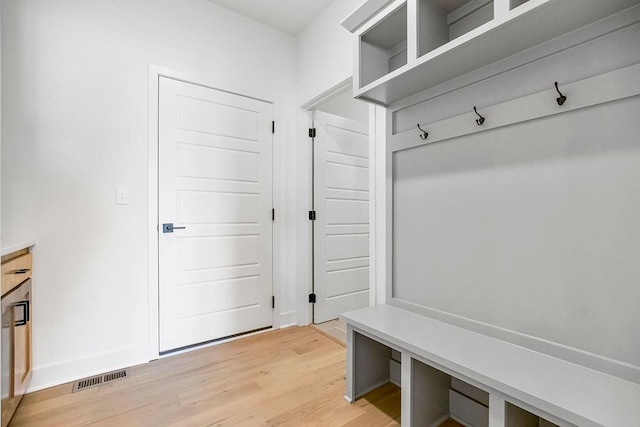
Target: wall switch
point(122, 195)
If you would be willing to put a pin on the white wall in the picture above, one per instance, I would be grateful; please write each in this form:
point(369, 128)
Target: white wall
point(325, 51)
point(75, 79)
point(344, 104)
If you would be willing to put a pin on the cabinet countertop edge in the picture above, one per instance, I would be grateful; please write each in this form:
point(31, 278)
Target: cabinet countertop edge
point(17, 247)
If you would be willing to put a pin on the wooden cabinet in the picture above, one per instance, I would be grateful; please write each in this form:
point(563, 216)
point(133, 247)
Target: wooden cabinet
point(15, 270)
point(404, 47)
point(16, 330)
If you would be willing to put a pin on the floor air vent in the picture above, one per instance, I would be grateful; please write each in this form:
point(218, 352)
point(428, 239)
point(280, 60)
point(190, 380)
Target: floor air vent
point(91, 382)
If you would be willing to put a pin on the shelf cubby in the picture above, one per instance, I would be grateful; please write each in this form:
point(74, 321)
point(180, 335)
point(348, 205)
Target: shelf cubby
point(437, 397)
point(375, 372)
point(383, 48)
point(518, 417)
point(405, 48)
point(440, 21)
point(515, 3)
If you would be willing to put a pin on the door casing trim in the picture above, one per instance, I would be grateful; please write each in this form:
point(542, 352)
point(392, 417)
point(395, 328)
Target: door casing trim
point(305, 278)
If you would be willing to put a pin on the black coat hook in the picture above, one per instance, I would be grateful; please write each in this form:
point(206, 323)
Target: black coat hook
point(479, 121)
point(424, 135)
point(561, 99)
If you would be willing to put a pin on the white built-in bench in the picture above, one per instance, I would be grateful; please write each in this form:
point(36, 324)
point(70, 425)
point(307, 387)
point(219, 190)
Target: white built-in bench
point(524, 387)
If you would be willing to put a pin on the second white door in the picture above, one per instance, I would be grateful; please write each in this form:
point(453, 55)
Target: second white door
point(341, 228)
point(215, 180)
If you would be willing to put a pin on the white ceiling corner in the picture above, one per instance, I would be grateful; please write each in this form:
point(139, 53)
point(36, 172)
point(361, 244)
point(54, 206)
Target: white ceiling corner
point(290, 16)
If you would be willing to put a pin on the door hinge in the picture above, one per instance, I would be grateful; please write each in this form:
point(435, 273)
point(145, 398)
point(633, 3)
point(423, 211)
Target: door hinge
point(273, 302)
point(312, 215)
point(273, 127)
point(312, 298)
point(273, 214)
point(312, 132)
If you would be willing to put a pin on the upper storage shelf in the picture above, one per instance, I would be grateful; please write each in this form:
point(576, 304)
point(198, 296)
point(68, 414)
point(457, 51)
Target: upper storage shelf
point(383, 48)
point(406, 46)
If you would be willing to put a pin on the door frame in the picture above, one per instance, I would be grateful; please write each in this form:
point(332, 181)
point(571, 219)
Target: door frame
point(305, 277)
point(155, 73)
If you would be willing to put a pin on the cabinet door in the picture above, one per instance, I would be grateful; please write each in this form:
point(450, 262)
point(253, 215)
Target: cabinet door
point(16, 348)
point(22, 340)
point(7, 361)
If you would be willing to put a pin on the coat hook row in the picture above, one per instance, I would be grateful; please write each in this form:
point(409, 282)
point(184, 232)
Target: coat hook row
point(480, 120)
point(424, 134)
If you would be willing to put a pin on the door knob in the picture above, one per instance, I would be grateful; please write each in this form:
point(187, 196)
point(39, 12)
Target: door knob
point(168, 228)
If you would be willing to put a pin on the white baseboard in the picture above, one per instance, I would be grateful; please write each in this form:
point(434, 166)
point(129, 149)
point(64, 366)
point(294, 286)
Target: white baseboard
point(53, 375)
point(288, 319)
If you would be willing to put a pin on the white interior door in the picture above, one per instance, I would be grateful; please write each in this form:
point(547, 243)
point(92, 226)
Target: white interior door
point(341, 228)
point(215, 179)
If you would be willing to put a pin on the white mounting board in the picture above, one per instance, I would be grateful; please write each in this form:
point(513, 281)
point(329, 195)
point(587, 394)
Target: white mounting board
point(531, 227)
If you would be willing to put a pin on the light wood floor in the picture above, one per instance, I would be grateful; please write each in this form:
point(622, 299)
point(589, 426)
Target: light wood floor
point(334, 329)
point(293, 376)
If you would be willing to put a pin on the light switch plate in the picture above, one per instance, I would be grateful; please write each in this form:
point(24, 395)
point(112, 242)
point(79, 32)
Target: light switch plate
point(122, 195)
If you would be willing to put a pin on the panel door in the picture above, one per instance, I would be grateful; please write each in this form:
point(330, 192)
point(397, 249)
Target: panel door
point(215, 179)
point(341, 229)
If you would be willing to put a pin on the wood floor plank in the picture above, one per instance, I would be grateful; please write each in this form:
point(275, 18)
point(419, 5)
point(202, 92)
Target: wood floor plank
point(47, 394)
point(292, 376)
point(324, 410)
point(158, 412)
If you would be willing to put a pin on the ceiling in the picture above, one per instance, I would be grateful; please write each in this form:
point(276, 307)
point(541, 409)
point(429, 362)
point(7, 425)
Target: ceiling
point(290, 16)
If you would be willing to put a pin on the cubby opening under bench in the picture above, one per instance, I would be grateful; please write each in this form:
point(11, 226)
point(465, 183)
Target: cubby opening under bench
point(511, 385)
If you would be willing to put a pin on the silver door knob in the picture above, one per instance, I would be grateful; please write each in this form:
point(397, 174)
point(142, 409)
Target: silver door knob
point(168, 228)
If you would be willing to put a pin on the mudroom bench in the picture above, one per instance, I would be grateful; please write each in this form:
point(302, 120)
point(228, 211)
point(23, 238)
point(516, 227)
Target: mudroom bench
point(444, 368)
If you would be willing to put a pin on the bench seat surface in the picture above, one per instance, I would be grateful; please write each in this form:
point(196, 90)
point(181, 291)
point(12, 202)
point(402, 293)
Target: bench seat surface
point(569, 391)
